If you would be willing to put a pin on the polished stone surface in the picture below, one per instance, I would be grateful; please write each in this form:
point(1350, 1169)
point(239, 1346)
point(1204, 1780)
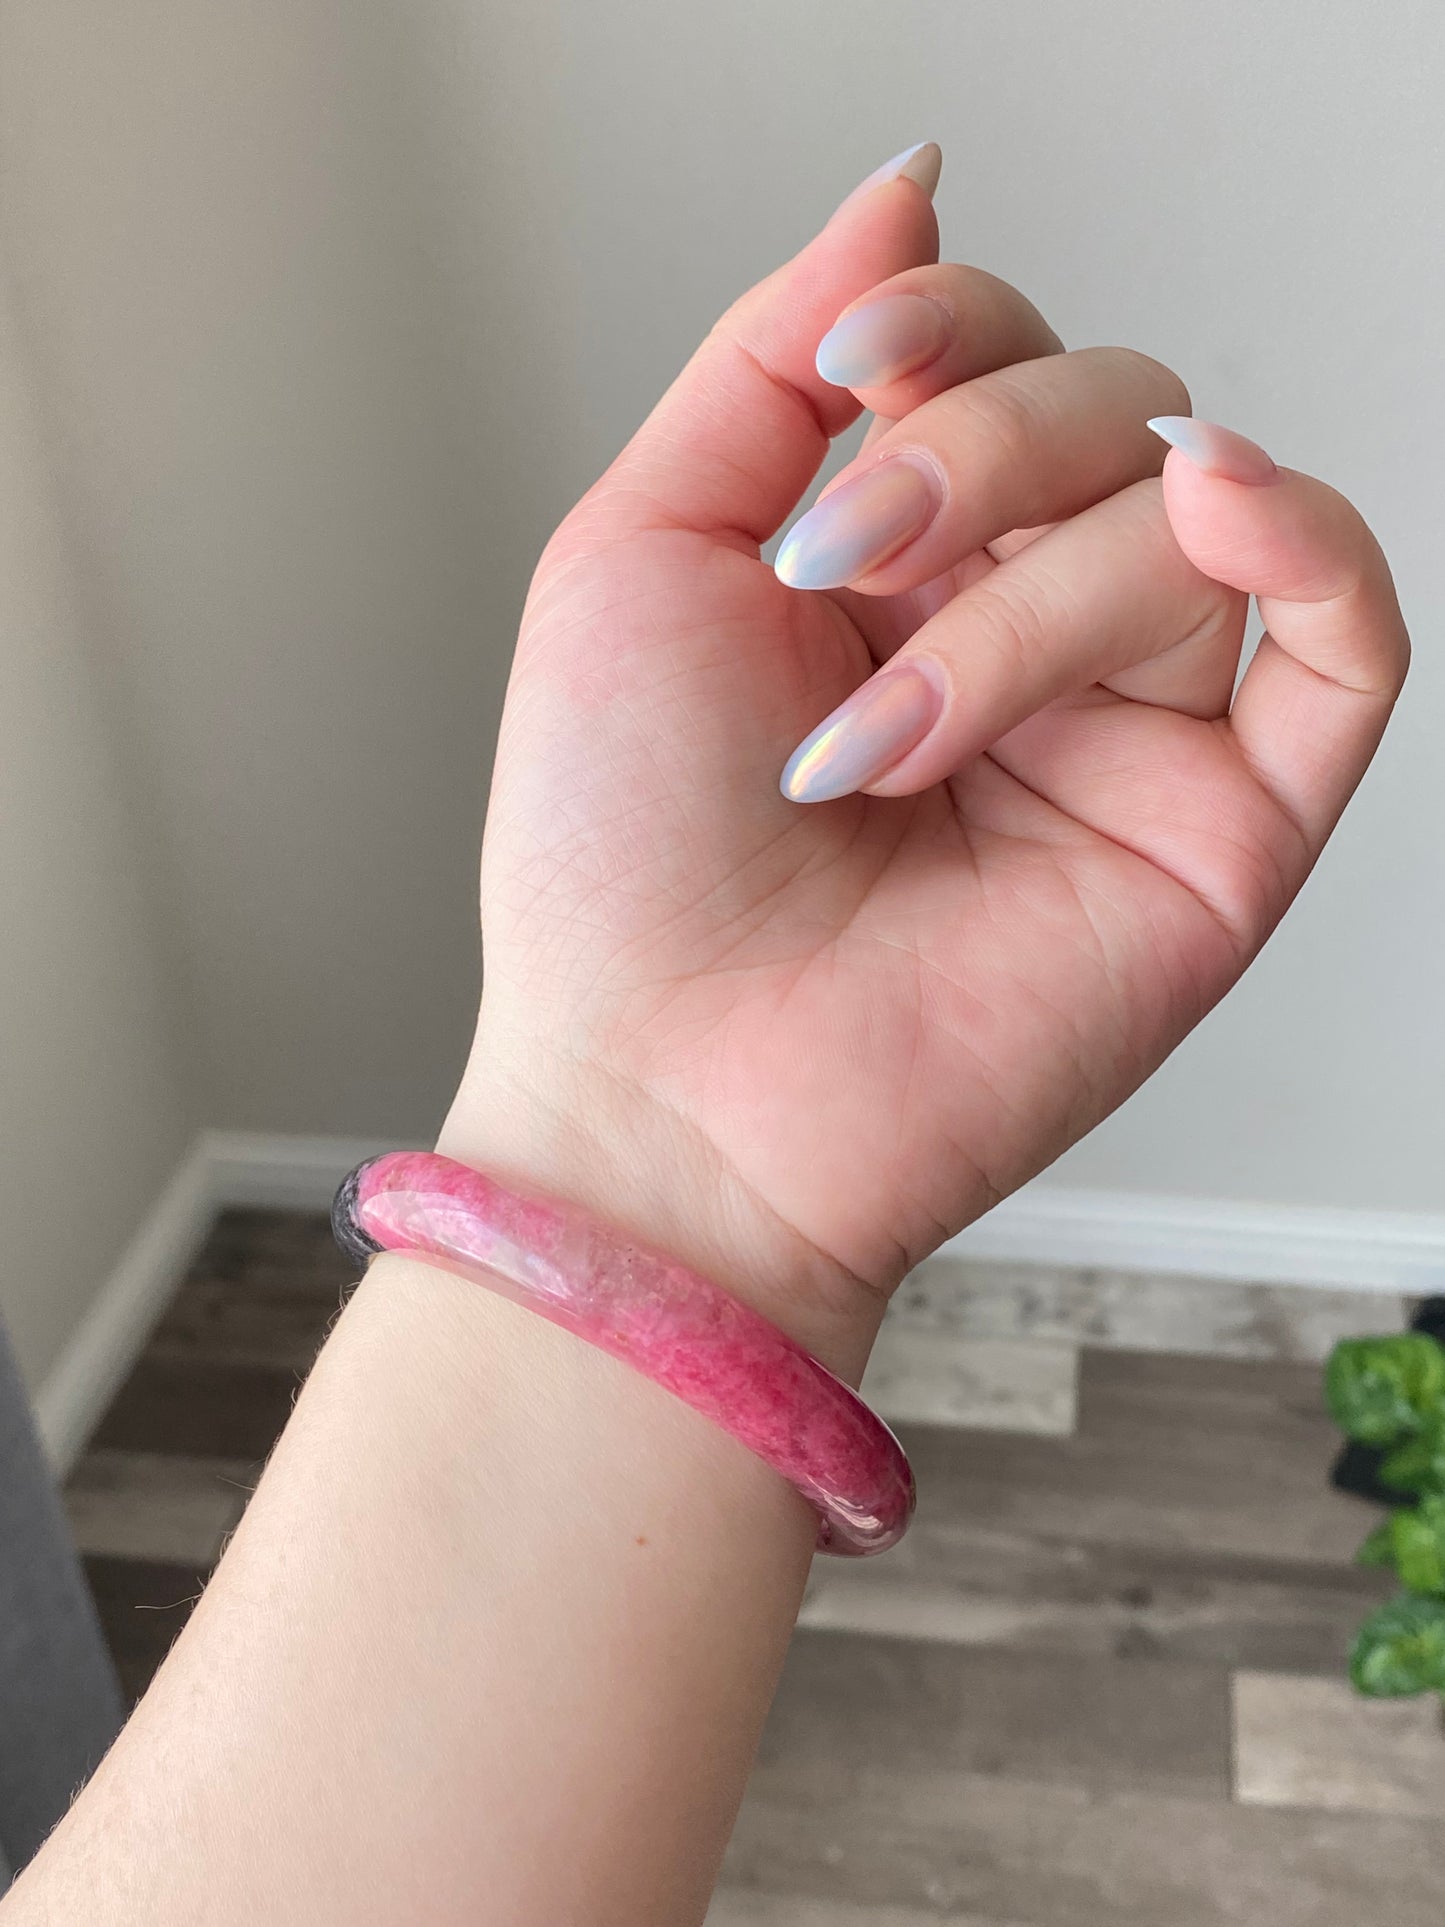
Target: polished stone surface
point(643, 1306)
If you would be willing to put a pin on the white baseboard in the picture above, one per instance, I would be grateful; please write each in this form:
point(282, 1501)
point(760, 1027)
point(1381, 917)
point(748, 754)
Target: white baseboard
point(1214, 1238)
point(113, 1332)
point(1130, 1231)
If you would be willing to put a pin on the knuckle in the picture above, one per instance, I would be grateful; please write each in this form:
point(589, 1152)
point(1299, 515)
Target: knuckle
point(1003, 413)
point(982, 296)
point(964, 286)
point(1142, 373)
point(1020, 616)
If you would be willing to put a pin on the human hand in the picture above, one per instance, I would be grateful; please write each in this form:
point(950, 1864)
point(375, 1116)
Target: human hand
point(800, 1043)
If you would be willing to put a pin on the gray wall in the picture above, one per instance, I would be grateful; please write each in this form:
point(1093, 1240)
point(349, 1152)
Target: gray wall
point(335, 309)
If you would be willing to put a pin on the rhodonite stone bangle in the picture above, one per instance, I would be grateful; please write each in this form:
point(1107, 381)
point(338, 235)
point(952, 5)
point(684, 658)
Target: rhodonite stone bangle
point(656, 1315)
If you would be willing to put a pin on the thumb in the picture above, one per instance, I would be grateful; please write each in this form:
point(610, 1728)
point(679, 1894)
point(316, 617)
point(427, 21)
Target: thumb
point(740, 433)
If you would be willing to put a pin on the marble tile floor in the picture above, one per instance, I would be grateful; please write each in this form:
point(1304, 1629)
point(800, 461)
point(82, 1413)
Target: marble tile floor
point(1100, 1681)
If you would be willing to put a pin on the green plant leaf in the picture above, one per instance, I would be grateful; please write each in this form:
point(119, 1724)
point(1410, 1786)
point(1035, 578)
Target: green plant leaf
point(1417, 1539)
point(1401, 1649)
point(1379, 1548)
point(1382, 1389)
point(1419, 1464)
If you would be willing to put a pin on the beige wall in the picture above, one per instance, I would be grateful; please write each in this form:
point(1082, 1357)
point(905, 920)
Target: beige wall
point(221, 245)
point(94, 1114)
point(337, 307)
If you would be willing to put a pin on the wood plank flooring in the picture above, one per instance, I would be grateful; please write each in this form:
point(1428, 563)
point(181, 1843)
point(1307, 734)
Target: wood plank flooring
point(1100, 1681)
point(1046, 1855)
point(1039, 1717)
point(1312, 1743)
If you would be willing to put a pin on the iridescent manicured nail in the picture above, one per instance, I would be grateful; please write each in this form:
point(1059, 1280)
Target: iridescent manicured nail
point(858, 525)
point(865, 736)
point(923, 164)
point(1218, 451)
point(883, 340)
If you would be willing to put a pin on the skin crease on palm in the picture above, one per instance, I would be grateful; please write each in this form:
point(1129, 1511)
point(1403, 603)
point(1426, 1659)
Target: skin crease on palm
point(802, 1044)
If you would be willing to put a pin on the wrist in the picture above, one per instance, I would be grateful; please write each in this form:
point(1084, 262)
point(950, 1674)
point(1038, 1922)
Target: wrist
point(622, 1156)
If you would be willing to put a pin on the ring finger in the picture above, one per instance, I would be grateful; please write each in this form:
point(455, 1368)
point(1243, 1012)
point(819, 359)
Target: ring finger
point(1022, 445)
point(1107, 598)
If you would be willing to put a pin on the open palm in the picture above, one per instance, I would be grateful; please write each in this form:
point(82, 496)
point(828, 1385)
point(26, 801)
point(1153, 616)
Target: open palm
point(809, 1042)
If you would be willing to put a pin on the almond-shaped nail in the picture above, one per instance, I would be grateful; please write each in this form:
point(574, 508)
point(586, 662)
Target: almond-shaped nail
point(858, 525)
point(922, 163)
point(865, 736)
point(1218, 451)
point(883, 340)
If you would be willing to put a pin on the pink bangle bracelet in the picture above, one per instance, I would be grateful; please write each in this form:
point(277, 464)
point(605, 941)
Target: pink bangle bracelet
point(667, 1322)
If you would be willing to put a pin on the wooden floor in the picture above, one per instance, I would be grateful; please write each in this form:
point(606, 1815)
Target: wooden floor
point(1100, 1682)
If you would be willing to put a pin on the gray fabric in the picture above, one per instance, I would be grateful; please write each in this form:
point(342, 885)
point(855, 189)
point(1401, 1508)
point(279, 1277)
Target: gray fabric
point(60, 1706)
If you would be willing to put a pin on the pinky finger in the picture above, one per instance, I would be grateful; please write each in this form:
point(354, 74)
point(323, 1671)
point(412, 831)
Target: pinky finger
point(1315, 700)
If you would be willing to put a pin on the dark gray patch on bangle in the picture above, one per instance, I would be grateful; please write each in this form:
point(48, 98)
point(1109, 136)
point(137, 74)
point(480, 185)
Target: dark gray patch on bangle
point(355, 1242)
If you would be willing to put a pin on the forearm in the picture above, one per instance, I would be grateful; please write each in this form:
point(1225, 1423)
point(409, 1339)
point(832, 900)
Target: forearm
point(498, 1631)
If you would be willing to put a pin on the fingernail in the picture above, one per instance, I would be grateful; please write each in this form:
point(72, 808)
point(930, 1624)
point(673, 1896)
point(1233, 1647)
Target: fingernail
point(858, 525)
point(883, 340)
point(923, 164)
point(1218, 451)
point(864, 736)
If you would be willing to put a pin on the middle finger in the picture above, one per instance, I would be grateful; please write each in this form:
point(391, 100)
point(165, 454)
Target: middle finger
point(1106, 599)
point(1034, 442)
